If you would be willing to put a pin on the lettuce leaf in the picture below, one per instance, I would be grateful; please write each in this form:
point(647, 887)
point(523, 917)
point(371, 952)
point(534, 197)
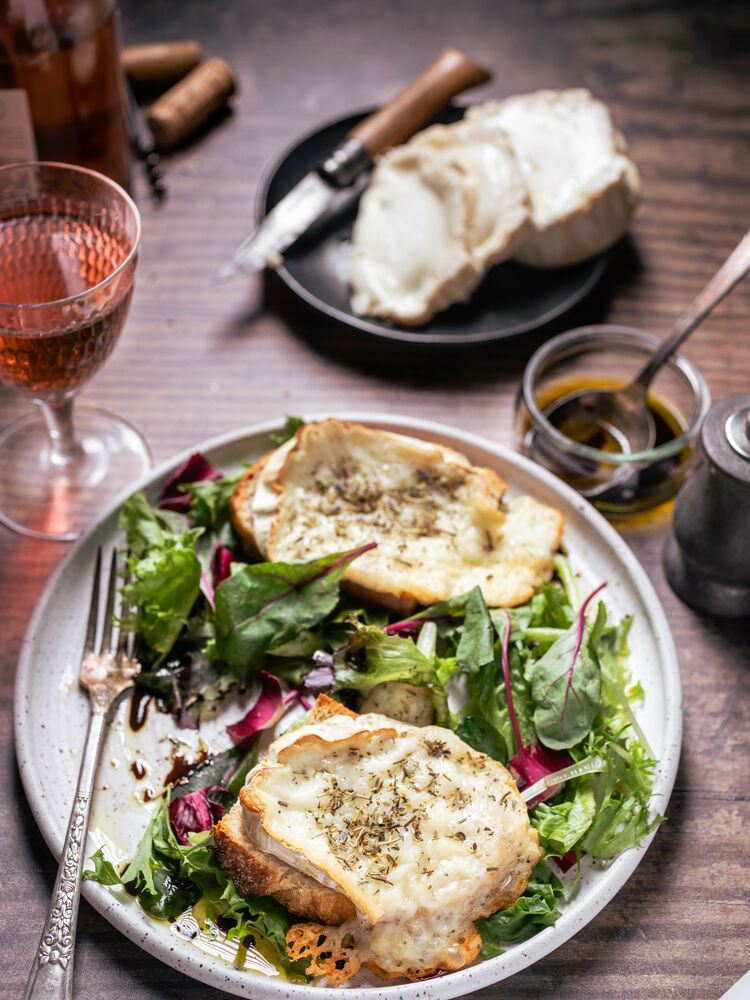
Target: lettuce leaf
point(164, 573)
point(535, 909)
point(169, 877)
point(561, 825)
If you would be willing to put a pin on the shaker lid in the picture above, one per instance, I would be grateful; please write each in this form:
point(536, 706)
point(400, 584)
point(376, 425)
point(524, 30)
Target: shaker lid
point(726, 436)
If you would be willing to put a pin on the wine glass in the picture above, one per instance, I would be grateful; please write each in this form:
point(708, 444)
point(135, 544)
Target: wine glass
point(68, 252)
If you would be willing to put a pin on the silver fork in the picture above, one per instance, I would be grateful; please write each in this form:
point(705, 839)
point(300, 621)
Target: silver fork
point(107, 670)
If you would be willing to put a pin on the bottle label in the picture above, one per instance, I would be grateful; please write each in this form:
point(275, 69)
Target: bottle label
point(17, 144)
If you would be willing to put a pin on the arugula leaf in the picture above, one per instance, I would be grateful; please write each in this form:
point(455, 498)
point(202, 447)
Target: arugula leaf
point(291, 427)
point(476, 648)
point(209, 501)
point(535, 909)
point(566, 686)
point(141, 868)
point(103, 871)
point(262, 606)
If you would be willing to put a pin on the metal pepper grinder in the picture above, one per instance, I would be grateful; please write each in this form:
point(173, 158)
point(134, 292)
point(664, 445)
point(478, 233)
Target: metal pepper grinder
point(707, 556)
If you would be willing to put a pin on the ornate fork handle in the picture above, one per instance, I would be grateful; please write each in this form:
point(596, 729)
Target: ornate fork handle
point(51, 976)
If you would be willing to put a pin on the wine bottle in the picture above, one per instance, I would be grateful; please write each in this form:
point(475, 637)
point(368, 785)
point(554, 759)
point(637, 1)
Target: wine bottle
point(62, 91)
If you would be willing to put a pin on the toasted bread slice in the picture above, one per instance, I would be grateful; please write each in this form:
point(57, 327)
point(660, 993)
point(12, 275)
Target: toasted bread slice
point(241, 501)
point(422, 833)
point(439, 522)
point(258, 873)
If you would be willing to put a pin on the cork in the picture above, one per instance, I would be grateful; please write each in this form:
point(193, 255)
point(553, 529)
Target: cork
point(154, 67)
point(191, 102)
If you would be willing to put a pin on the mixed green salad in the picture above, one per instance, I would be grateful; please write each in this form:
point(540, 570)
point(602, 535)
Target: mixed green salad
point(539, 687)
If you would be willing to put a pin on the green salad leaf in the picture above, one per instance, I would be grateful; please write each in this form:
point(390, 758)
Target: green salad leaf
point(535, 909)
point(476, 647)
point(168, 878)
point(165, 573)
point(566, 687)
point(263, 605)
point(290, 428)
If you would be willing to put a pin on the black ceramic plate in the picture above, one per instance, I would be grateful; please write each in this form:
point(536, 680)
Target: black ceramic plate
point(511, 299)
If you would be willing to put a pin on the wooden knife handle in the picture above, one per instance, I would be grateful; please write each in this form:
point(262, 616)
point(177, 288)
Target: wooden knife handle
point(399, 118)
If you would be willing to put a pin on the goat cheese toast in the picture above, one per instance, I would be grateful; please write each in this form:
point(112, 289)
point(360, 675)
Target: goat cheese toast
point(440, 523)
point(421, 833)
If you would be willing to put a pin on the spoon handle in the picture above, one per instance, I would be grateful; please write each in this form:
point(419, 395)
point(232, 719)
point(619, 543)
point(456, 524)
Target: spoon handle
point(734, 268)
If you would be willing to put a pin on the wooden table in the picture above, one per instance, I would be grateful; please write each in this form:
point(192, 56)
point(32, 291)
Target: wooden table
point(198, 358)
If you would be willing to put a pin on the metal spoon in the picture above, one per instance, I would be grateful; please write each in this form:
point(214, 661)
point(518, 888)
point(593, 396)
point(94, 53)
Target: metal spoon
point(624, 411)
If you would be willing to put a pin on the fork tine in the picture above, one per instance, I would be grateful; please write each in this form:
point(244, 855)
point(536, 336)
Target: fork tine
point(90, 642)
point(106, 643)
point(125, 636)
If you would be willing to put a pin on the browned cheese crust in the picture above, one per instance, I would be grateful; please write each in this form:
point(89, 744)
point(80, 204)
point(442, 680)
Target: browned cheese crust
point(310, 941)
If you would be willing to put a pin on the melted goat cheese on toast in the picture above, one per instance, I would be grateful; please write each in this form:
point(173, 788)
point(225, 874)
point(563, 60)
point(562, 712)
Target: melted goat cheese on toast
point(420, 831)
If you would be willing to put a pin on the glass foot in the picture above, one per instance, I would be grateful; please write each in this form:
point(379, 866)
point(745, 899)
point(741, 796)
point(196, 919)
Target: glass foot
point(44, 499)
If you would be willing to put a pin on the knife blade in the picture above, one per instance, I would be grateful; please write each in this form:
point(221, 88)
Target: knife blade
point(451, 73)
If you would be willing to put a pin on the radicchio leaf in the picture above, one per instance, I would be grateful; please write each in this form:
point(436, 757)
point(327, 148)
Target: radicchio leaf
point(221, 559)
point(194, 813)
point(194, 470)
point(320, 678)
point(265, 713)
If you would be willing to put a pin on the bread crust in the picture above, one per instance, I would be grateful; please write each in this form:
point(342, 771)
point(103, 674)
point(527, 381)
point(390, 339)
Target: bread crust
point(257, 873)
point(240, 504)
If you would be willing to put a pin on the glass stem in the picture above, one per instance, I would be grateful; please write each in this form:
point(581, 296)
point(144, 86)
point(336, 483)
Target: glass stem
point(58, 419)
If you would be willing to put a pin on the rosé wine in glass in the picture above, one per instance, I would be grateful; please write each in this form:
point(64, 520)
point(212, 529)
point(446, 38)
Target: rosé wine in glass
point(68, 251)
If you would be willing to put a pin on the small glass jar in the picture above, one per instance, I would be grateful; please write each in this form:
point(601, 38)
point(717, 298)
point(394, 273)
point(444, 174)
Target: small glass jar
point(618, 482)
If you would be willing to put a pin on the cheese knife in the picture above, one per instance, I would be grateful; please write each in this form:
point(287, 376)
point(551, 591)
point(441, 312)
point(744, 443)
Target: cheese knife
point(395, 121)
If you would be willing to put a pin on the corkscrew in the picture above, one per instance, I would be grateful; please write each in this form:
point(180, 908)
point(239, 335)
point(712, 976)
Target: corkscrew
point(144, 147)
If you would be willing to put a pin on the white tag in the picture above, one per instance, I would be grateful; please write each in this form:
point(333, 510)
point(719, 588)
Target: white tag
point(17, 144)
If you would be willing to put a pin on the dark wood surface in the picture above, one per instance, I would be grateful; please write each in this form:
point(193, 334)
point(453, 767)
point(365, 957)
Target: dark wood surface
point(198, 358)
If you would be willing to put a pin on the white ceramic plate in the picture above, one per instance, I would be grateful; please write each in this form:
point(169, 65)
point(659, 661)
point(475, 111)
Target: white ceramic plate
point(51, 714)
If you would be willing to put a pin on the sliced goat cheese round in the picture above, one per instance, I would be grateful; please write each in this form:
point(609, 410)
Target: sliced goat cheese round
point(502, 215)
point(411, 253)
point(583, 185)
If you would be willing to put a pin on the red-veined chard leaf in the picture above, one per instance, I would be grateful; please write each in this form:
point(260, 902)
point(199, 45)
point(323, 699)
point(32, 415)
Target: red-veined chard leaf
point(262, 606)
point(566, 686)
point(533, 762)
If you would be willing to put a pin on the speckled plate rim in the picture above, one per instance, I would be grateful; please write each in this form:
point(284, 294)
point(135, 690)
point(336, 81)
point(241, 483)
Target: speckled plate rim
point(578, 911)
